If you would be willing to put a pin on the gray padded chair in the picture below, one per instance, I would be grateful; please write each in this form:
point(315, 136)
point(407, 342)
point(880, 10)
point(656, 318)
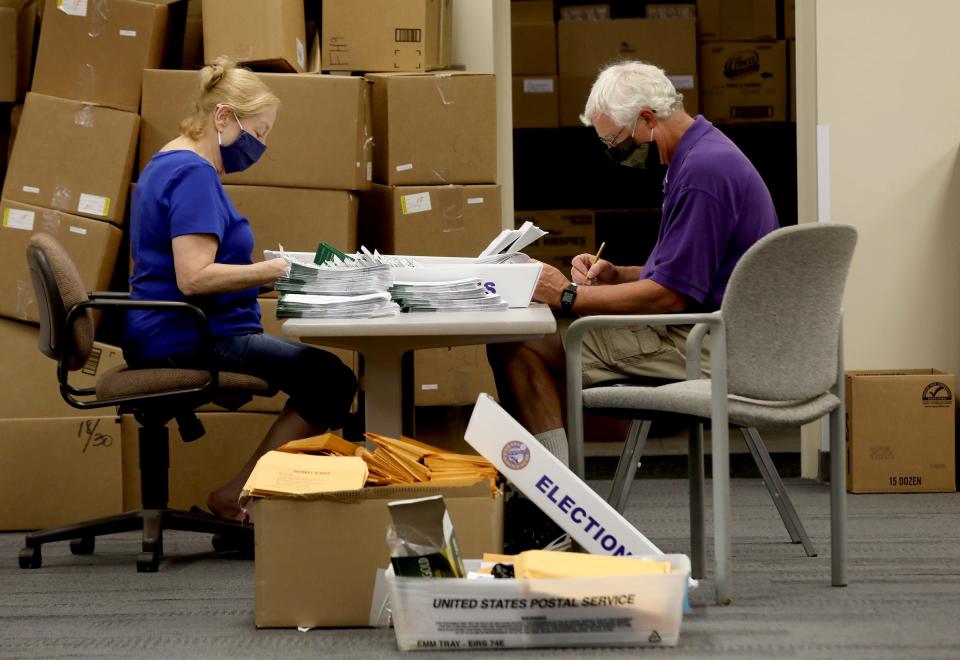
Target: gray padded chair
point(776, 361)
point(153, 396)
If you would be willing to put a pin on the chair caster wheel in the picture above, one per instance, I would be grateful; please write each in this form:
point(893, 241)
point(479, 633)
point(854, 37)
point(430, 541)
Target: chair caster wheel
point(148, 562)
point(83, 546)
point(30, 558)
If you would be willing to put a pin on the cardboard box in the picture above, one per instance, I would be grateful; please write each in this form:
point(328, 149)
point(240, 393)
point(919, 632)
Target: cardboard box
point(672, 11)
point(434, 128)
point(444, 221)
point(736, 20)
point(73, 157)
point(534, 38)
point(586, 47)
point(297, 218)
point(18, 20)
point(593, 12)
point(572, 232)
point(263, 34)
point(900, 431)
point(198, 467)
point(37, 393)
point(92, 245)
point(386, 35)
point(536, 102)
point(58, 471)
point(553, 487)
point(317, 557)
point(95, 54)
point(744, 82)
point(321, 140)
point(453, 376)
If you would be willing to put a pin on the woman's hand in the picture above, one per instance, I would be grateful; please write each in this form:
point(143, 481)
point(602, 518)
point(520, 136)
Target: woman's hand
point(276, 268)
point(585, 271)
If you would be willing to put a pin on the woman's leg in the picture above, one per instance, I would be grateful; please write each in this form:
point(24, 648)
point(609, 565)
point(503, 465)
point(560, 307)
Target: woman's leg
point(289, 426)
point(320, 386)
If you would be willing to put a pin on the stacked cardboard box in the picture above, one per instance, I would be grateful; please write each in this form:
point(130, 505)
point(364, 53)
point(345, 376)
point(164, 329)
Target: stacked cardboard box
point(585, 47)
point(81, 114)
point(536, 98)
point(743, 67)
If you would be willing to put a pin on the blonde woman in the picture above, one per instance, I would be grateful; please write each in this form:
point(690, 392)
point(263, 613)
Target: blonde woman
point(189, 243)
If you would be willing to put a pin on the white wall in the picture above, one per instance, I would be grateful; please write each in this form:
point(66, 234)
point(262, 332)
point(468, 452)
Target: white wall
point(886, 88)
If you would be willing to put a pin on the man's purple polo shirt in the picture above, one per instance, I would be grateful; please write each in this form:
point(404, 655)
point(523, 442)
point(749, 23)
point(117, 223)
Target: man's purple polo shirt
point(715, 206)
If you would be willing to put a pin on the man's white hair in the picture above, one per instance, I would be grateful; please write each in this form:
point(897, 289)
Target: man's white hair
point(622, 90)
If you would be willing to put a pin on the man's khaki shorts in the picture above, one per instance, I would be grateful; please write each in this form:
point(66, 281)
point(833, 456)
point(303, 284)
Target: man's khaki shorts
point(638, 351)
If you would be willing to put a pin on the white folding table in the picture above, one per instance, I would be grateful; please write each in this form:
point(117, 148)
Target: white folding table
point(384, 341)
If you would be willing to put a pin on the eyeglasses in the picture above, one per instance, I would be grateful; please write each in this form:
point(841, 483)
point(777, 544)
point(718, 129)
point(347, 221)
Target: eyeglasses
point(611, 141)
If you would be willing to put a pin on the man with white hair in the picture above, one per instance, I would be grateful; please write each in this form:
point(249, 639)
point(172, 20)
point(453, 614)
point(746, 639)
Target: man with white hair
point(715, 206)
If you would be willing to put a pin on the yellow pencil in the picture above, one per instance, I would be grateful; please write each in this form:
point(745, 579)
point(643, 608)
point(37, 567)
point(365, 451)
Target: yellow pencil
point(599, 252)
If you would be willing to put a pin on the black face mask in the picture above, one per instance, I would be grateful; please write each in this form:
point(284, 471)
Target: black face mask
point(643, 156)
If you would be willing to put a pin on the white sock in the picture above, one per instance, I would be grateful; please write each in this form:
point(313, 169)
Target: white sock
point(556, 443)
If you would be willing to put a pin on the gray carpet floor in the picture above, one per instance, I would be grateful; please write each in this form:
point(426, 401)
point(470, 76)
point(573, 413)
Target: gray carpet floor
point(903, 600)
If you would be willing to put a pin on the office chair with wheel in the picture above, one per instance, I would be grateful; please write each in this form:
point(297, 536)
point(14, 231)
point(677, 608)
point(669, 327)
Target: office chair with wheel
point(153, 396)
point(776, 361)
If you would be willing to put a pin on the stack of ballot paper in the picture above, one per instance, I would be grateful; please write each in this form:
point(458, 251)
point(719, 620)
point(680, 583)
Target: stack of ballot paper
point(463, 295)
point(338, 288)
point(508, 246)
point(403, 461)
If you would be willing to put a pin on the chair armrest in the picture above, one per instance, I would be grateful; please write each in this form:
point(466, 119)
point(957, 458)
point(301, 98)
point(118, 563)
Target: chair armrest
point(109, 295)
point(124, 303)
point(573, 344)
point(693, 347)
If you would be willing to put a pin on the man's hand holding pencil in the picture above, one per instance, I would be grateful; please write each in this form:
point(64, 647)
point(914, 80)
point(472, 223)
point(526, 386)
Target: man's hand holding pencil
point(588, 269)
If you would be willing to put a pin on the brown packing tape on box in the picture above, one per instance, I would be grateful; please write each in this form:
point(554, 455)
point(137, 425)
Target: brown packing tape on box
point(444, 221)
point(96, 51)
point(268, 35)
point(18, 20)
point(386, 35)
point(58, 471)
point(92, 245)
point(322, 138)
point(585, 47)
point(93, 148)
point(434, 128)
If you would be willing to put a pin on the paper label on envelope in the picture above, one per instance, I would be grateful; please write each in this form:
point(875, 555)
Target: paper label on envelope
point(280, 473)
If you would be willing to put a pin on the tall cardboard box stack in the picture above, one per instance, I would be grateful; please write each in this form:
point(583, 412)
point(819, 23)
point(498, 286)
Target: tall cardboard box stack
point(586, 46)
point(743, 67)
point(536, 94)
point(434, 167)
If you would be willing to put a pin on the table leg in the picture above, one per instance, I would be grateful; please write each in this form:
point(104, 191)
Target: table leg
point(382, 385)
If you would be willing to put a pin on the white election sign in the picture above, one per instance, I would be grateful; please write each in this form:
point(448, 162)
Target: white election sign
point(549, 484)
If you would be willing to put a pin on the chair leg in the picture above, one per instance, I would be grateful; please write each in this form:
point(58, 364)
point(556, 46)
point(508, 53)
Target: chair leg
point(720, 455)
point(698, 536)
point(838, 494)
point(627, 467)
point(778, 493)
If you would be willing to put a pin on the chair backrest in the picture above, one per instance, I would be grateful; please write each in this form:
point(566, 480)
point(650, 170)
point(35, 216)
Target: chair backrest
point(782, 310)
point(58, 288)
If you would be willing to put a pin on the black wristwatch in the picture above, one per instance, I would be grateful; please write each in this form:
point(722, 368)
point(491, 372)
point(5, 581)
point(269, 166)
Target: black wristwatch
point(568, 297)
